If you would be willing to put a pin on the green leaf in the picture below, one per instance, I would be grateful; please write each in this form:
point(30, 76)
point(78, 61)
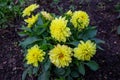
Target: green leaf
point(98, 41)
point(28, 41)
point(2, 14)
point(47, 65)
point(30, 71)
point(59, 71)
point(61, 78)
point(26, 65)
point(117, 7)
point(118, 30)
point(74, 74)
point(91, 33)
point(44, 46)
point(41, 31)
point(25, 73)
point(92, 65)
point(81, 68)
point(74, 43)
point(99, 47)
point(56, 1)
point(40, 22)
point(69, 78)
point(22, 34)
point(60, 9)
point(25, 28)
point(44, 76)
point(88, 33)
point(35, 70)
point(67, 71)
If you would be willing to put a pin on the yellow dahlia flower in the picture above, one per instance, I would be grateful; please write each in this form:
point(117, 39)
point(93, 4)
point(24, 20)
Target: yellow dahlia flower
point(27, 11)
point(58, 29)
point(85, 50)
point(60, 56)
point(47, 15)
point(31, 20)
point(69, 13)
point(35, 55)
point(80, 19)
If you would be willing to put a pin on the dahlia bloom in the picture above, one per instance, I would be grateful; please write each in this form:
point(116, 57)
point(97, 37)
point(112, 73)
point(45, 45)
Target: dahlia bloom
point(31, 20)
point(80, 20)
point(27, 11)
point(85, 50)
point(47, 15)
point(59, 29)
point(60, 56)
point(35, 55)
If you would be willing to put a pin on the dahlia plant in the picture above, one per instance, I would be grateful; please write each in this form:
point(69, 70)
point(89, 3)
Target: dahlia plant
point(58, 47)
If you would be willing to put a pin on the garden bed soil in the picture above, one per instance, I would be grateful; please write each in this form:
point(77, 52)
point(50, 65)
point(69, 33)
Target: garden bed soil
point(102, 14)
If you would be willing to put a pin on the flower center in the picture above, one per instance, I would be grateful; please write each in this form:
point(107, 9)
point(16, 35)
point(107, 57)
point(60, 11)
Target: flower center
point(61, 55)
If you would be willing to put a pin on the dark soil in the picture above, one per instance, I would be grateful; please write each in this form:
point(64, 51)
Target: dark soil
point(102, 14)
point(11, 65)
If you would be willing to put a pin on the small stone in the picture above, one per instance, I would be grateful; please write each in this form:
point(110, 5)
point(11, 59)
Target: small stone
point(110, 72)
point(4, 62)
point(103, 61)
point(115, 42)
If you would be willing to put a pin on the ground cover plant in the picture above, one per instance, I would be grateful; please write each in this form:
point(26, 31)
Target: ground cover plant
point(104, 14)
point(9, 10)
point(58, 47)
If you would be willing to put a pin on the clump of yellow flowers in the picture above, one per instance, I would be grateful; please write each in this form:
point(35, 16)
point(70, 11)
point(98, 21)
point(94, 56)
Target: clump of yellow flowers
point(35, 55)
point(60, 44)
point(85, 50)
point(60, 56)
